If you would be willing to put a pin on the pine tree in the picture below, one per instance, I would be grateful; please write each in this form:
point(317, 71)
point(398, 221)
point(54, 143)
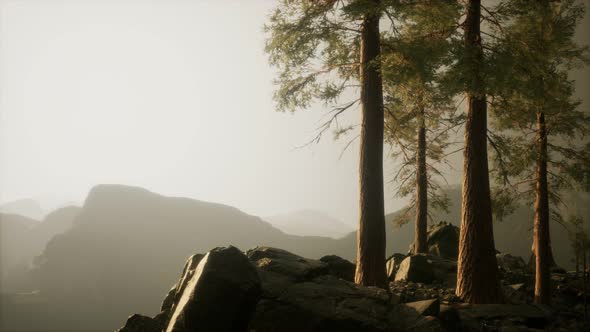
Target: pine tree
point(323, 49)
point(537, 120)
point(419, 112)
point(477, 269)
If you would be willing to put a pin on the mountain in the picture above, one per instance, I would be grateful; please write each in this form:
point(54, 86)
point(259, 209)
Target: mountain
point(29, 208)
point(310, 223)
point(22, 239)
point(124, 251)
point(126, 245)
point(14, 251)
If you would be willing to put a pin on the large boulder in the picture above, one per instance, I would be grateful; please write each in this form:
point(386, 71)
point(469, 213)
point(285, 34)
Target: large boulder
point(445, 270)
point(187, 273)
point(279, 268)
point(301, 294)
point(392, 265)
point(340, 267)
point(415, 268)
point(443, 240)
point(221, 295)
point(426, 307)
point(475, 317)
point(324, 304)
point(510, 263)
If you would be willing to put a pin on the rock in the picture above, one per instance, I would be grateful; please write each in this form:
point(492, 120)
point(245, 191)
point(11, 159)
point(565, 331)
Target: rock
point(221, 295)
point(475, 316)
point(324, 304)
point(392, 265)
point(445, 270)
point(339, 267)
point(139, 323)
point(286, 263)
point(515, 294)
point(301, 294)
point(443, 240)
point(425, 308)
point(425, 324)
point(415, 268)
point(449, 317)
point(187, 272)
point(511, 263)
point(279, 268)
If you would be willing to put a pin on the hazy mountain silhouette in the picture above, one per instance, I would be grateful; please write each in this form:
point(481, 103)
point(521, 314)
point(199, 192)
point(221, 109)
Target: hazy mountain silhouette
point(29, 208)
point(22, 239)
point(125, 250)
point(310, 223)
point(14, 251)
point(127, 246)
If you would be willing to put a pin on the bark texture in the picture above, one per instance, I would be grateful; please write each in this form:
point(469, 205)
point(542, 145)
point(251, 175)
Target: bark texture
point(420, 241)
point(477, 269)
point(370, 267)
point(541, 245)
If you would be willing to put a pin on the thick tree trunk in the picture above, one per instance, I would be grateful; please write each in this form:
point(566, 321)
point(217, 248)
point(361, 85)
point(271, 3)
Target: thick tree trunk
point(541, 227)
point(477, 269)
point(420, 241)
point(370, 267)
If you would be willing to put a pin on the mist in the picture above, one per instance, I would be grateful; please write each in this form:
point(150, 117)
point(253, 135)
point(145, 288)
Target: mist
point(136, 134)
point(173, 96)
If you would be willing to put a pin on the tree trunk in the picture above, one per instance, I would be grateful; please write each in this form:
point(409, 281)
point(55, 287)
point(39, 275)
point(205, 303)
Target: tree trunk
point(370, 267)
point(541, 227)
point(477, 269)
point(532, 260)
point(420, 241)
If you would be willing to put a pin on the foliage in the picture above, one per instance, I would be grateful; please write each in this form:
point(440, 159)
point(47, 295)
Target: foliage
point(415, 55)
point(536, 52)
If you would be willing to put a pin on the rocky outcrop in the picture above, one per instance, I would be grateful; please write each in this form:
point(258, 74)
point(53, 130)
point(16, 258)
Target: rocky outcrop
point(218, 292)
point(511, 263)
point(392, 265)
point(340, 267)
point(220, 296)
point(443, 240)
point(301, 294)
point(415, 268)
point(175, 293)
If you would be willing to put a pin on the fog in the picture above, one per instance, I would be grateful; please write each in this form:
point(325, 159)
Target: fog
point(173, 96)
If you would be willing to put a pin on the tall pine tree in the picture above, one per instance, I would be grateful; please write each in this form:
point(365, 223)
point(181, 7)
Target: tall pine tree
point(323, 49)
point(538, 124)
point(419, 111)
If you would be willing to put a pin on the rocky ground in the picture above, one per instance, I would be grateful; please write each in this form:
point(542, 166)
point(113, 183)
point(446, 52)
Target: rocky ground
point(268, 289)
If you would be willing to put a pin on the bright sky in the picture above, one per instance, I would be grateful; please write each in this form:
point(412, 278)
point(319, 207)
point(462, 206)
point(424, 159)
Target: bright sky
point(170, 95)
point(173, 96)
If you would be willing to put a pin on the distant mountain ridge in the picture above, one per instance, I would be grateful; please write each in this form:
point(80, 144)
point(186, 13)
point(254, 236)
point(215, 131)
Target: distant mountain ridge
point(310, 223)
point(22, 239)
point(126, 245)
point(27, 207)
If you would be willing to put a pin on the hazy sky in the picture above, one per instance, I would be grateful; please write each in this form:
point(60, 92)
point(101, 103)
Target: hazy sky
point(173, 96)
